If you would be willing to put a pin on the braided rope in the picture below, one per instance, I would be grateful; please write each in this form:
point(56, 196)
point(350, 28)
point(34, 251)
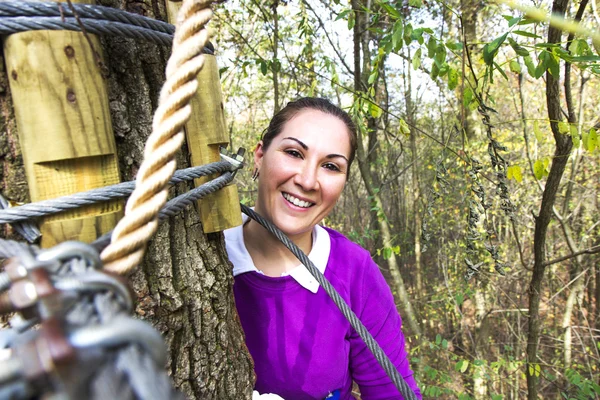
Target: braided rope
point(132, 233)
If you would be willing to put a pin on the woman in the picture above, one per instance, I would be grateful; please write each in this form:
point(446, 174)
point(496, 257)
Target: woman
point(302, 346)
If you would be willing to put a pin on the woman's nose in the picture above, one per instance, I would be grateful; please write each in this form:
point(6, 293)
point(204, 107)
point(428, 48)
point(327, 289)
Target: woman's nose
point(307, 178)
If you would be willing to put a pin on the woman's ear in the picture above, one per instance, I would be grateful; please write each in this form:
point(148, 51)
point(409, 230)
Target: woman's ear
point(259, 153)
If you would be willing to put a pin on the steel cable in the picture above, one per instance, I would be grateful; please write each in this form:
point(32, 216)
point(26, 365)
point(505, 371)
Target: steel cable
point(52, 9)
point(117, 191)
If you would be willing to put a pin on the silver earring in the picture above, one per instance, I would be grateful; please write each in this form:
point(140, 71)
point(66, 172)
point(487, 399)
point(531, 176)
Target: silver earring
point(255, 174)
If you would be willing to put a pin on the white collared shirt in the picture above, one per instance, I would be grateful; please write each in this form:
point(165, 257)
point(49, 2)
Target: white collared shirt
point(242, 262)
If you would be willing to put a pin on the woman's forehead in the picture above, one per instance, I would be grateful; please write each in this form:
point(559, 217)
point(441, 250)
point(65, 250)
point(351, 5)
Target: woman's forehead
point(317, 129)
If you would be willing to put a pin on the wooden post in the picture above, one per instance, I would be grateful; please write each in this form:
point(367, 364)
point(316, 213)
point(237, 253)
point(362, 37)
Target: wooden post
point(61, 109)
point(205, 133)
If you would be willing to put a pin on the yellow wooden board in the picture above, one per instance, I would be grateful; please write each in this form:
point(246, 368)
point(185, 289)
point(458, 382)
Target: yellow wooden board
point(62, 114)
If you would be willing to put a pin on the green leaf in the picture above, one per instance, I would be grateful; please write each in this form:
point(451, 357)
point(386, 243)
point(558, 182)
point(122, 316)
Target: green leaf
point(431, 46)
point(444, 344)
point(440, 55)
point(404, 128)
point(514, 172)
point(574, 47)
point(592, 140)
point(408, 33)
point(542, 65)
point(563, 127)
point(444, 69)
point(520, 50)
point(391, 10)
point(343, 14)
point(529, 65)
point(464, 366)
point(501, 71)
point(585, 59)
point(387, 253)
point(435, 71)
point(539, 170)
point(452, 78)
point(553, 66)
point(417, 35)
point(397, 35)
point(351, 21)
point(438, 339)
point(575, 136)
point(415, 3)
point(491, 49)
point(527, 34)
point(372, 77)
point(263, 67)
point(416, 60)
point(515, 66)
point(513, 21)
point(454, 46)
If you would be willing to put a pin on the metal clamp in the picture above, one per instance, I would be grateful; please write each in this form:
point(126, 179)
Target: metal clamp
point(236, 160)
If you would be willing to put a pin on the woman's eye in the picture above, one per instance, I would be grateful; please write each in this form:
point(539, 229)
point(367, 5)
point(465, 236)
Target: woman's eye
point(331, 167)
point(294, 153)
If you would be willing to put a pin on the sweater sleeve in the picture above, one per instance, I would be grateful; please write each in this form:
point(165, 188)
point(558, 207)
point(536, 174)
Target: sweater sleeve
point(377, 310)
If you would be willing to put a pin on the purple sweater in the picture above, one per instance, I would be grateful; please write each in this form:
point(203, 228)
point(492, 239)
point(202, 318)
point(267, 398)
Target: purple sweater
point(303, 347)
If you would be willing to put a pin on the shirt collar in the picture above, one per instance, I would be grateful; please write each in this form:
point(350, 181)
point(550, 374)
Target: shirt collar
point(242, 262)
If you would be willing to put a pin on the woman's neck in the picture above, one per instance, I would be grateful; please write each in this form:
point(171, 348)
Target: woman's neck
point(270, 255)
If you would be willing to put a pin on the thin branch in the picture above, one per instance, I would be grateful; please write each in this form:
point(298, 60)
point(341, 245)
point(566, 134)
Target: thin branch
point(591, 250)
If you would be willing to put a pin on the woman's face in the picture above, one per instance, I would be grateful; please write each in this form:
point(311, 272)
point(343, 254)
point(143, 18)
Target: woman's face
point(303, 171)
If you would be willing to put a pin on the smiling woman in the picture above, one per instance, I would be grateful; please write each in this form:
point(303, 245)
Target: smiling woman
point(302, 346)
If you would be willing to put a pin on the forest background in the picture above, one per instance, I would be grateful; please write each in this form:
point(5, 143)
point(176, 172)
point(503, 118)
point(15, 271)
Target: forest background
point(476, 186)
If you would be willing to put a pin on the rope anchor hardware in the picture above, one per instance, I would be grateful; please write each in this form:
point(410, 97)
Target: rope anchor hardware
point(236, 160)
point(84, 326)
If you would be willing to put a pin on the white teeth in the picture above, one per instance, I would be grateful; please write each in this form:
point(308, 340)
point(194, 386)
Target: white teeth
point(296, 201)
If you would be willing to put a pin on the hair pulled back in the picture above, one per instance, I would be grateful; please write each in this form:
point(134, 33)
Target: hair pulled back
point(310, 103)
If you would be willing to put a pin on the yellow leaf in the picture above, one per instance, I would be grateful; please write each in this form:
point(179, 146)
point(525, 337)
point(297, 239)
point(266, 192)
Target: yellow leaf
point(563, 127)
point(514, 172)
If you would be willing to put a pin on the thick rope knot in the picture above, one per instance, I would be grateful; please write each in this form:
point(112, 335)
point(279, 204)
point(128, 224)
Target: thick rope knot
point(132, 233)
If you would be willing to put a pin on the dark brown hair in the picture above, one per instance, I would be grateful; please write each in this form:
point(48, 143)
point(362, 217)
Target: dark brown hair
point(310, 103)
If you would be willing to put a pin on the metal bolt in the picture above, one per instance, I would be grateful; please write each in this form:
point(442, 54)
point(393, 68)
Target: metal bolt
point(22, 294)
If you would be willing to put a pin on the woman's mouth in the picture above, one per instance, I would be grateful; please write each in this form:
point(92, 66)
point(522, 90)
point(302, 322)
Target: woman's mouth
point(297, 202)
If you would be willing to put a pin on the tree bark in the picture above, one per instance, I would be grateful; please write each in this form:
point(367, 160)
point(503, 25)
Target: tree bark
point(184, 287)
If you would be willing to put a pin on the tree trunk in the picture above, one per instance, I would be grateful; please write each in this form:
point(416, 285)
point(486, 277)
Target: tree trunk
point(561, 157)
point(410, 116)
point(184, 287)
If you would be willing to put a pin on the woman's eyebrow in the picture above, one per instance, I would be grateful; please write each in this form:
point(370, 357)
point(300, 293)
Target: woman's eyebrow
point(338, 156)
point(305, 147)
point(301, 143)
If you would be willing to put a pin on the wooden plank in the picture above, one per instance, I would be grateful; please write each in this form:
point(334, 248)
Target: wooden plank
point(206, 132)
point(61, 109)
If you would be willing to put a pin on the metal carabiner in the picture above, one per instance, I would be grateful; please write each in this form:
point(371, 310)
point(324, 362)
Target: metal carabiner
point(120, 331)
point(94, 281)
point(68, 250)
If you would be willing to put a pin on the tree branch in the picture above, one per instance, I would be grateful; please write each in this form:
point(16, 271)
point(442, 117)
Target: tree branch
point(591, 250)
